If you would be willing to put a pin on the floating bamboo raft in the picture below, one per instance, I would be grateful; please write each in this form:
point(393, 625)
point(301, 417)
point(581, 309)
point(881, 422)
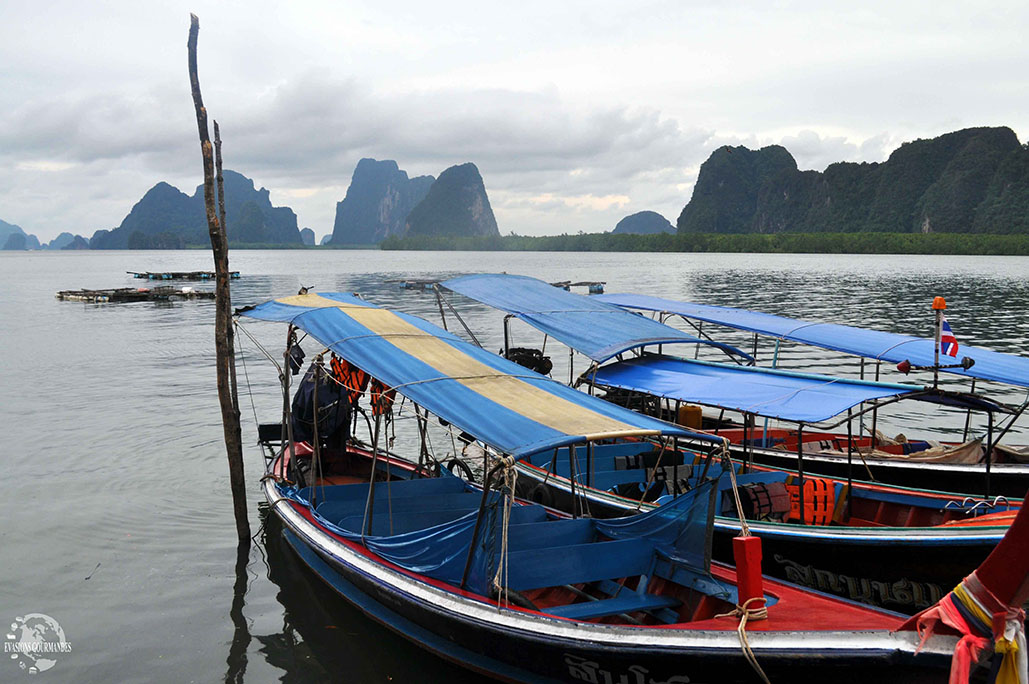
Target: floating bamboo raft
point(132, 294)
point(179, 275)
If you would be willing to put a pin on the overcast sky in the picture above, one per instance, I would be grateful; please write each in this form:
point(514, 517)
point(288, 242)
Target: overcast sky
point(576, 113)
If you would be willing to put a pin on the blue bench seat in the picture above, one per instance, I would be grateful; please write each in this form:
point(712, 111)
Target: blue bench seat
point(627, 602)
point(579, 563)
point(396, 489)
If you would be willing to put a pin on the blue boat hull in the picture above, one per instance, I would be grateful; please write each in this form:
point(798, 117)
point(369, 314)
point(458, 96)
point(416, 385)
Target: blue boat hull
point(514, 655)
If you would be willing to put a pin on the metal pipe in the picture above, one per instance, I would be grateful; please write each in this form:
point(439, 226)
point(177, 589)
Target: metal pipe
point(800, 467)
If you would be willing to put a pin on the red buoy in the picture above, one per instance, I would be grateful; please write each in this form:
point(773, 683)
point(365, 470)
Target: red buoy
point(746, 551)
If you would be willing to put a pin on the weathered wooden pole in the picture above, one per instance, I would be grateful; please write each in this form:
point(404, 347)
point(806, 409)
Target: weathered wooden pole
point(223, 304)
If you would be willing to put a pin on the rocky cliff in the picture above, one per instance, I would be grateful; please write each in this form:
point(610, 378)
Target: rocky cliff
point(12, 237)
point(644, 223)
point(168, 218)
point(456, 204)
point(377, 203)
point(971, 181)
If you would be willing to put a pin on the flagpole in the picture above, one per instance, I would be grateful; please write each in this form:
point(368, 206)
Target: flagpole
point(939, 305)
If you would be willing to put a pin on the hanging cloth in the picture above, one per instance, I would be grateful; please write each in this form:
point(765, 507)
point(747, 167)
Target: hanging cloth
point(982, 621)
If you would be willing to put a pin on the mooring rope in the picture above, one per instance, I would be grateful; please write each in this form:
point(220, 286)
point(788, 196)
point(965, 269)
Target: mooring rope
point(745, 613)
point(246, 376)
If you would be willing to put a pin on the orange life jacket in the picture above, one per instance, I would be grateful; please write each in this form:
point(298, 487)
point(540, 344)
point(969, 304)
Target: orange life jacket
point(382, 399)
point(819, 501)
point(353, 379)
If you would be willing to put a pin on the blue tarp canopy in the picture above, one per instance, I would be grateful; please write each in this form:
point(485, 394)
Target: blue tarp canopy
point(795, 397)
point(510, 408)
point(873, 344)
point(594, 328)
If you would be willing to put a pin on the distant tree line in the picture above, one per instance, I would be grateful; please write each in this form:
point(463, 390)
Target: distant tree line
point(822, 243)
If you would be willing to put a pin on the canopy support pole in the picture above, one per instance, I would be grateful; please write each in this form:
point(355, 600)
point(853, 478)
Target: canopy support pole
point(589, 464)
point(423, 449)
point(571, 365)
point(317, 456)
point(875, 408)
point(861, 417)
point(1011, 423)
point(439, 303)
point(696, 348)
point(968, 417)
point(507, 335)
point(775, 364)
point(675, 465)
point(850, 461)
point(487, 481)
point(571, 479)
point(989, 449)
point(800, 468)
point(287, 372)
point(748, 435)
point(435, 286)
point(369, 507)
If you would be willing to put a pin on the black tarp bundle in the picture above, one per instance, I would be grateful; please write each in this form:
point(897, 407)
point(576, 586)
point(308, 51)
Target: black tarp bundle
point(333, 409)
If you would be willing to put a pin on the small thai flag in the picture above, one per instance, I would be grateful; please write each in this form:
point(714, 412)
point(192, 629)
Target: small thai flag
point(948, 343)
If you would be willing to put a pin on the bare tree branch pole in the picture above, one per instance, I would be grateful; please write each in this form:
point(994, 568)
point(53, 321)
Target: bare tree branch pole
point(220, 181)
point(223, 304)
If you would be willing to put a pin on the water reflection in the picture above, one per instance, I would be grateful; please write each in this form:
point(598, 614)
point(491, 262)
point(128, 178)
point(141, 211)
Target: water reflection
point(237, 659)
point(323, 638)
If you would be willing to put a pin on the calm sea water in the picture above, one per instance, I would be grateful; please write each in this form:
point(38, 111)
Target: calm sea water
point(114, 453)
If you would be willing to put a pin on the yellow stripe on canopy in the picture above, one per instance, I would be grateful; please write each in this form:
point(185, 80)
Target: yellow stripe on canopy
point(499, 387)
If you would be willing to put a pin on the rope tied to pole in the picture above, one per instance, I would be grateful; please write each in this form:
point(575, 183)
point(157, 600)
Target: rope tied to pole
point(501, 577)
point(727, 465)
point(746, 613)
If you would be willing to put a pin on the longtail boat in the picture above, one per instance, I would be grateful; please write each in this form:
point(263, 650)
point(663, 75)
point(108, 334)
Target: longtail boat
point(594, 327)
point(980, 465)
point(522, 593)
point(881, 544)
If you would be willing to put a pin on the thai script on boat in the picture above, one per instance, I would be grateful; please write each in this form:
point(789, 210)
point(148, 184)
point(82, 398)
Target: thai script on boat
point(589, 671)
point(902, 592)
